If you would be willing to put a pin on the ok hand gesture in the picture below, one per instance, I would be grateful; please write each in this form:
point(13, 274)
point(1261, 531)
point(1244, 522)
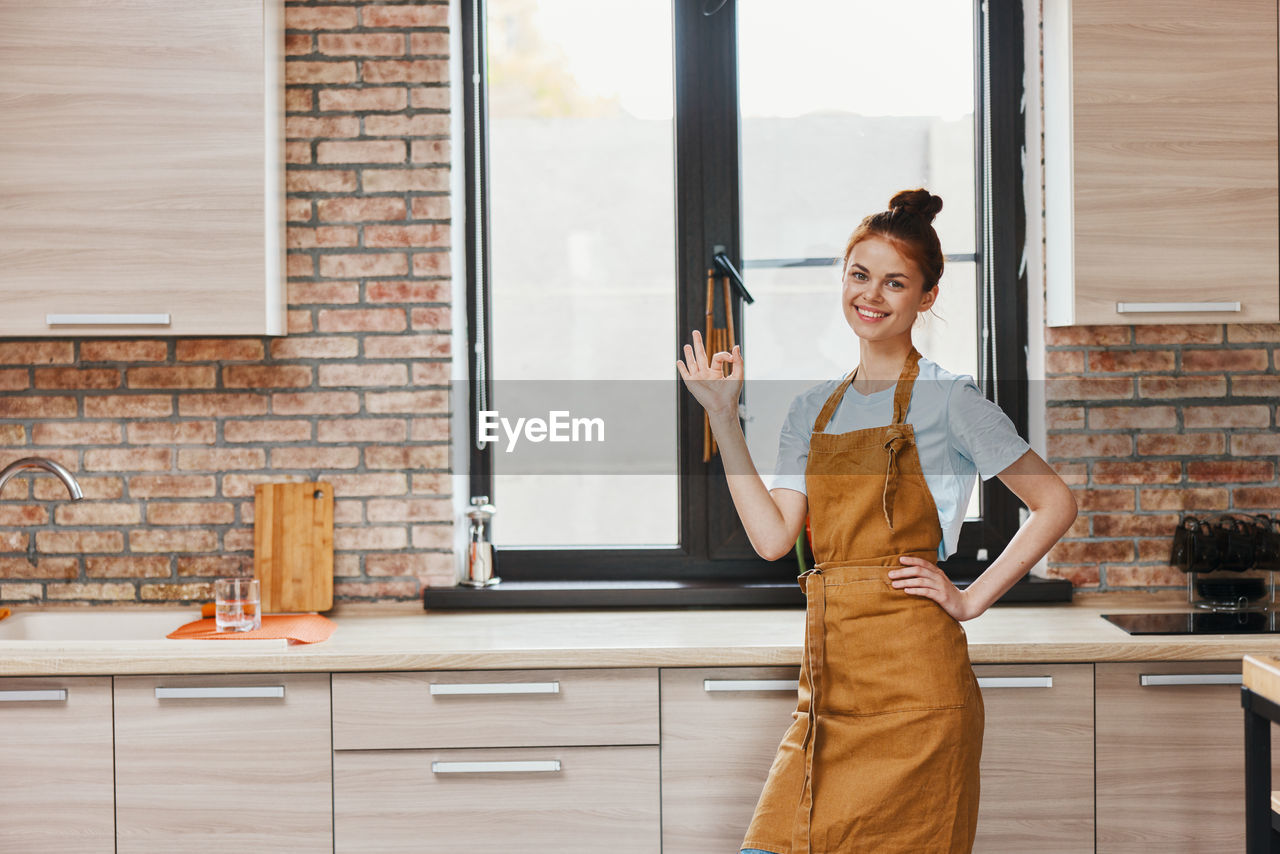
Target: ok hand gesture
point(706, 381)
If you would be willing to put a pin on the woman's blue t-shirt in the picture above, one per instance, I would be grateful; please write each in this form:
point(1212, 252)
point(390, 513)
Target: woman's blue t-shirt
point(959, 435)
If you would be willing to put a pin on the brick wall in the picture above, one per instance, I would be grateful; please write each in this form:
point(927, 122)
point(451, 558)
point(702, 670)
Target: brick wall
point(168, 437)
point(1147, 422)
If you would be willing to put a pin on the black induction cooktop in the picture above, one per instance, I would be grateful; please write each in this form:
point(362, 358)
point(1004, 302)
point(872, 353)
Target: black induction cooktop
point(1198, 623)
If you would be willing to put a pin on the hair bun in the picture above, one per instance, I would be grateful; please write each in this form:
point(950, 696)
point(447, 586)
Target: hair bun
point(920, 202)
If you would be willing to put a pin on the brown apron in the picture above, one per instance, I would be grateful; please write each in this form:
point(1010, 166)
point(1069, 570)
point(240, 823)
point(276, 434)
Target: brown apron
point(882, 754)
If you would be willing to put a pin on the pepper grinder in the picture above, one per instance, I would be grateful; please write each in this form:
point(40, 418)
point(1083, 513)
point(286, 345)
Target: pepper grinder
point(480, 550)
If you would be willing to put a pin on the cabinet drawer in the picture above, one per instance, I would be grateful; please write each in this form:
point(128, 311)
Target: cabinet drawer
point(482, 802)
point(494, 708)
point(720, 731)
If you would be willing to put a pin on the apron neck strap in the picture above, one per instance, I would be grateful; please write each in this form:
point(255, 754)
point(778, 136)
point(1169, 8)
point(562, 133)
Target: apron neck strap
point(906, 382)
point(901, 395)
point(829, 408)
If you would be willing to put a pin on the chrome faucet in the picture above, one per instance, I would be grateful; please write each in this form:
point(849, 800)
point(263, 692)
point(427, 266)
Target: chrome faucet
point(30, 463)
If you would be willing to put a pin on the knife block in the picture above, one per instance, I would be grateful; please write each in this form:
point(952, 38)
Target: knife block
point(293, 546)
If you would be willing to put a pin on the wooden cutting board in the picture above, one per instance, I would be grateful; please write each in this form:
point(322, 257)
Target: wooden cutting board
point(293, 546)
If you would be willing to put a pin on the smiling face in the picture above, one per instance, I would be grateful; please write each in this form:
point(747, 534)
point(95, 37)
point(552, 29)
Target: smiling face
point(883, 291)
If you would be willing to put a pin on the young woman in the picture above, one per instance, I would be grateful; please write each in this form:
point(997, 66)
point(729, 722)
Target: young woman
point(882, 755)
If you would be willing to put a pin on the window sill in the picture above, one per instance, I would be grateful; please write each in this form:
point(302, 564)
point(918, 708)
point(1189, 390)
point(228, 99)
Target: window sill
point(515, 595)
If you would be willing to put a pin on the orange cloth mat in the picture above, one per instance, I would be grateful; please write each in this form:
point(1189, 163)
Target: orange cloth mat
point(298, 628)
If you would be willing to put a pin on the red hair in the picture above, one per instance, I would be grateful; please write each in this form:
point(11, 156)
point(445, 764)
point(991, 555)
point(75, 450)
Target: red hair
point(908, 225)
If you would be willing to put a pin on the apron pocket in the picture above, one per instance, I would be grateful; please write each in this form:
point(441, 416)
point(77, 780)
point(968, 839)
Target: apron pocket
point(890, 651)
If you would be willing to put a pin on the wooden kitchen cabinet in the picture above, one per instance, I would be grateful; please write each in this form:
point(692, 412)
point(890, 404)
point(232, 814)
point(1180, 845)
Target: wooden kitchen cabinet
point(1161, 162)
point(1170, 756)
point(1037, 759)
point(141, 156)
point(496, 761)
point(223, 762)
point(55, 739)
point(720, 730)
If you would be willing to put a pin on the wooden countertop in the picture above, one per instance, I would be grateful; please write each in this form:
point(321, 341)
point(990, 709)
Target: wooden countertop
point(1262, 676)
point(403, 637)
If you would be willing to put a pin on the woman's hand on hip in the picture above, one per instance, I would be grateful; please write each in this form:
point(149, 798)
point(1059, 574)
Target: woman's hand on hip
point(705, 377)
point(919, 577)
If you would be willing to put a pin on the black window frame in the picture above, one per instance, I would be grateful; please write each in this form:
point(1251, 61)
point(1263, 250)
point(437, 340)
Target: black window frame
point(714, 554)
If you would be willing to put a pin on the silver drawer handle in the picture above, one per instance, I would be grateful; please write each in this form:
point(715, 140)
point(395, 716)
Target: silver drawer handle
point(1015, 681)
point(1186, 307)
point(1191, 679)
point(438, 688)
point(508, 767)
point(47, 695)
point(106, 320)
point(750, 685)
point(243, 692)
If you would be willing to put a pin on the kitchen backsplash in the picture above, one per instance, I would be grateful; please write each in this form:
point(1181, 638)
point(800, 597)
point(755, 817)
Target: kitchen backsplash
point(1149, 422)
point(168, 437)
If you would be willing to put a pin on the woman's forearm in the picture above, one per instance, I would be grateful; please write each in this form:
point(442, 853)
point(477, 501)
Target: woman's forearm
point(1043, 528)
point(766, 527)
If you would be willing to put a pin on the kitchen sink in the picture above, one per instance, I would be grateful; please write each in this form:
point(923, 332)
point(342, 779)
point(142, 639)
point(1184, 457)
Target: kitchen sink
point(94, 624)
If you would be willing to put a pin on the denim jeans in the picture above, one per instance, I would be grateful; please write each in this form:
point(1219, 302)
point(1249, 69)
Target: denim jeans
point(754, 851)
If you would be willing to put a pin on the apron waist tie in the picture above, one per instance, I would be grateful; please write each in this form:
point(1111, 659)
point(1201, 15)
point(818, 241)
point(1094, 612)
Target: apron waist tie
point(815, 647)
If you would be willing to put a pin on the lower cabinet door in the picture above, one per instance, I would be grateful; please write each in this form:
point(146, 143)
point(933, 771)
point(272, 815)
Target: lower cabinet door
point(720, 730)
point(1037, 759)
point(223, 763)
point(55, 746)
point(571, 800)
point(1171, 757)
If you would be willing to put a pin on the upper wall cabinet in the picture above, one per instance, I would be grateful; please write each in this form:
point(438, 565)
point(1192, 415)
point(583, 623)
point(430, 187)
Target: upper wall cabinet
point(1161, 162)
point(141, 168)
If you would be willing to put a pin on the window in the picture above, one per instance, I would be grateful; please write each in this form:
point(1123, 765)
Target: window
point(613, 149)
point(582, 256)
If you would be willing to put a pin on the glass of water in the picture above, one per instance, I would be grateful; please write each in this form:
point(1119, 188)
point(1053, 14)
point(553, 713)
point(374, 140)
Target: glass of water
point(237, 604)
